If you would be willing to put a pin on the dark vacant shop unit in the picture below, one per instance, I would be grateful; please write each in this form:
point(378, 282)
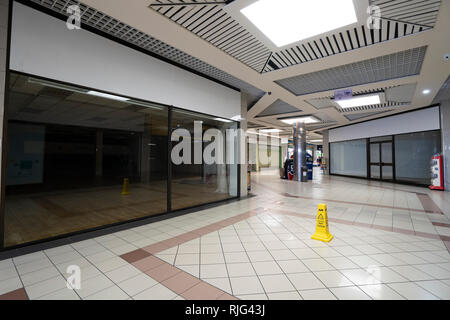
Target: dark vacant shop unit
point(70, 155)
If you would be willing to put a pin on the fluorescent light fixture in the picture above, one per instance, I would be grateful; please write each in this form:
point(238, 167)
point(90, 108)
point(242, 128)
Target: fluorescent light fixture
point(288, 21)
point(359, 101)
point(426, 91)
point(107, 96)
point(305, 119)
point(270, 130)
point(315, 140)
point(55, 85)
point(222, 120)
point(237, 118)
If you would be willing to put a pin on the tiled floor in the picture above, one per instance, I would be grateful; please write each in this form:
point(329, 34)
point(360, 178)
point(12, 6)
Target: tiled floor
point(389, 244)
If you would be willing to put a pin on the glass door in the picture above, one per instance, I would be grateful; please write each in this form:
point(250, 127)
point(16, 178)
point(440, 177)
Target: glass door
point(381, 161)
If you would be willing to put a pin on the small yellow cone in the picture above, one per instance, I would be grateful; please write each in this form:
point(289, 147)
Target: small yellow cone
point(126, 187)
point(322, 231)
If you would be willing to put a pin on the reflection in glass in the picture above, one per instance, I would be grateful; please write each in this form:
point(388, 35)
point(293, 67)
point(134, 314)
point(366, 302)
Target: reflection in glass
point(413, 153)
point(68, 155)
point(387, 173)
point(374, 153)
point(195, 184)
point(375, 172)
point(349, 158)
point(386, 152)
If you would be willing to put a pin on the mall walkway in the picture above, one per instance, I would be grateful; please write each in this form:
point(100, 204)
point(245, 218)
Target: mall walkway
point(391, 242)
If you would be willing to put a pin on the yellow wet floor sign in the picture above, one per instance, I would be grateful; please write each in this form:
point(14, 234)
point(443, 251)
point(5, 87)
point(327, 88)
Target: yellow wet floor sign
point(126, 187)
point(322, 231)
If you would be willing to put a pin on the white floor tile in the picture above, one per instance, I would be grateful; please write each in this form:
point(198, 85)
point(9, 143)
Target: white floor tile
point(213, 271)
point(266, 267)
point(412, 291)
point(137, 284)
point(246, 285)
point(317, 264)
point(293, 295)
point(292, 266)
point(438, 288)
point(276, 283)
point(350, 293)
point(333, 279)
point(381, 292)
point(317, 294)
point(157, 292)
point(112, 293)
point(305, 281)
point(240, 269)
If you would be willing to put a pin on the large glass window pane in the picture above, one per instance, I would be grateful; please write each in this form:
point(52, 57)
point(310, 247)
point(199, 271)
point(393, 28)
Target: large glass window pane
point(349, 158)
point(386, 152)
point(413, 153)
point(387, 173)
point(202, 181)
point(374, 153)
point(69, 154)
point(375, 172)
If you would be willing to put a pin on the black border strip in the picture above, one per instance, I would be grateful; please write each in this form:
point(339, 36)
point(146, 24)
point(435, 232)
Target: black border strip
point(4, 127)
point(125, 43)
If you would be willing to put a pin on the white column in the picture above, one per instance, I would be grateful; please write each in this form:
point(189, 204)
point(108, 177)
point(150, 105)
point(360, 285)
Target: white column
point(243, 167)
point(445, 128)
point(326, 151)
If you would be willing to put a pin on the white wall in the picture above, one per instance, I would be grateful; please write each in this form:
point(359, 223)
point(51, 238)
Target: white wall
point(42, 45)
point(421, 120)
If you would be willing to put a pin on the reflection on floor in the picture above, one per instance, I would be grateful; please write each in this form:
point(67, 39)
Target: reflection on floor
point(49, 214)
point(389, 244)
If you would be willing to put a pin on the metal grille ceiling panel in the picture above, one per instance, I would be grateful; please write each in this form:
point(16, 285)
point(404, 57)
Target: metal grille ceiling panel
point(358, 116)
point(393, 66)
point(278, 107)
point(206, 19)
point(341, 42)
point(413, 11)
point(119, 30)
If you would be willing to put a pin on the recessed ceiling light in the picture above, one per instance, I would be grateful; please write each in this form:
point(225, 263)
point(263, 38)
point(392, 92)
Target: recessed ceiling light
point(288, 21)
point(305, 119)
point(222, 120)
point(107, 96)
point(426, 91)
point(270, 130)
point(359, 101)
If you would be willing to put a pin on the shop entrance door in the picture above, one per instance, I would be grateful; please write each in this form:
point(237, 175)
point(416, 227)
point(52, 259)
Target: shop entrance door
point(381, 161)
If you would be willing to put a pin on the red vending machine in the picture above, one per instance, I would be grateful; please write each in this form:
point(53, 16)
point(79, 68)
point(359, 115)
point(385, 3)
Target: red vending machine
point(437, 174)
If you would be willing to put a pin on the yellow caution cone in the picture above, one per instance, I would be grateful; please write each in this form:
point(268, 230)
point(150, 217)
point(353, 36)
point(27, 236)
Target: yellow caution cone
point(322, 231)
point(126, 187)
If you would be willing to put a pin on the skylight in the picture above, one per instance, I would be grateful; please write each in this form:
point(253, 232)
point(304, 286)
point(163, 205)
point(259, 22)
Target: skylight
point(288, 21)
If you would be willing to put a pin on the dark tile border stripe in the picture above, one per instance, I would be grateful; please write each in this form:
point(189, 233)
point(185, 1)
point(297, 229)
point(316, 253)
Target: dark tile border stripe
point(19, 294)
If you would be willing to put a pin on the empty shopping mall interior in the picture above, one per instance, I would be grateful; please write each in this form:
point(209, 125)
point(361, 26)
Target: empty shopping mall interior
point(225, 150)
